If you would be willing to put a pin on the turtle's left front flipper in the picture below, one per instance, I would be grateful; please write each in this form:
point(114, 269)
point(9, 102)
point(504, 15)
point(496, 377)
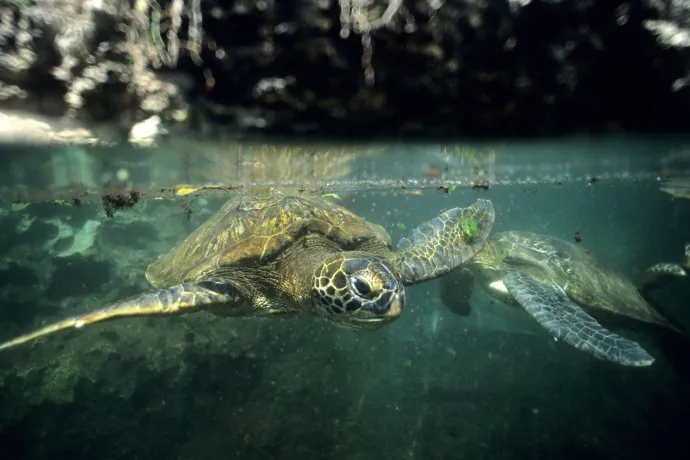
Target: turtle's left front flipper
point(445, 242)
point(175, 300)
point(563, 318)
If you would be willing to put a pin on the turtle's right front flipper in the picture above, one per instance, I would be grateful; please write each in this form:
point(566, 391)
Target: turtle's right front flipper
point(445, 242)
point(562, 317)
point(175, 300)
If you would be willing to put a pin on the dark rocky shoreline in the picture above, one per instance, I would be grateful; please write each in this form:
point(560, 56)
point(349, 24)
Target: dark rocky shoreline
point(439, 68)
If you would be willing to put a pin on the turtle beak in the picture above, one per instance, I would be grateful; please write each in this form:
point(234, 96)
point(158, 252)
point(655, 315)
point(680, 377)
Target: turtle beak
point(397, 306)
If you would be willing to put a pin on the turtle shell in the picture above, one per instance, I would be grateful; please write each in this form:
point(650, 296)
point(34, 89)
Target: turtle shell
point(252, 229)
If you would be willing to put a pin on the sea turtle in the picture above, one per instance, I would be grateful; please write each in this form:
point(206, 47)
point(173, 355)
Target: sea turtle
point(553, 280)
point(269, 253)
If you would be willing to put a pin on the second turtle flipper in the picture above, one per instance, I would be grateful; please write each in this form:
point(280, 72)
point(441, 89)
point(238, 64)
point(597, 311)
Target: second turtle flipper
point(175, 300)
point(659, 275)
point(456, 291)
point(564, 319)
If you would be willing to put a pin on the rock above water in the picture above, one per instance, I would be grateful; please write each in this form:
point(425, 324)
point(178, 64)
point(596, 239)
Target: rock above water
point(348, 68)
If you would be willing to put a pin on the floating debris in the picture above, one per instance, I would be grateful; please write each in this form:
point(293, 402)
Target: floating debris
point(114, 201)
point(577, 236)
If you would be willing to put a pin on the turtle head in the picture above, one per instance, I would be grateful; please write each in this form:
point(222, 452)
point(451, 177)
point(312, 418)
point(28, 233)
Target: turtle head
point(356, 290)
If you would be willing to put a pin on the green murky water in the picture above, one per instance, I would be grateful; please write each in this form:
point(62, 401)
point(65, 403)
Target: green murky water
point(432, 385)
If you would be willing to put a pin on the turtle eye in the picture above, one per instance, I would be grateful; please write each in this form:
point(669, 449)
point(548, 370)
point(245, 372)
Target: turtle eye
point(361, 287)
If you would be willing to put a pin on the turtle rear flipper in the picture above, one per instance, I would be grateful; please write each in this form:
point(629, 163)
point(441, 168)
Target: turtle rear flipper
point(175, 300)
point(563, 318)
point(456, 291)
point(445, 242)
